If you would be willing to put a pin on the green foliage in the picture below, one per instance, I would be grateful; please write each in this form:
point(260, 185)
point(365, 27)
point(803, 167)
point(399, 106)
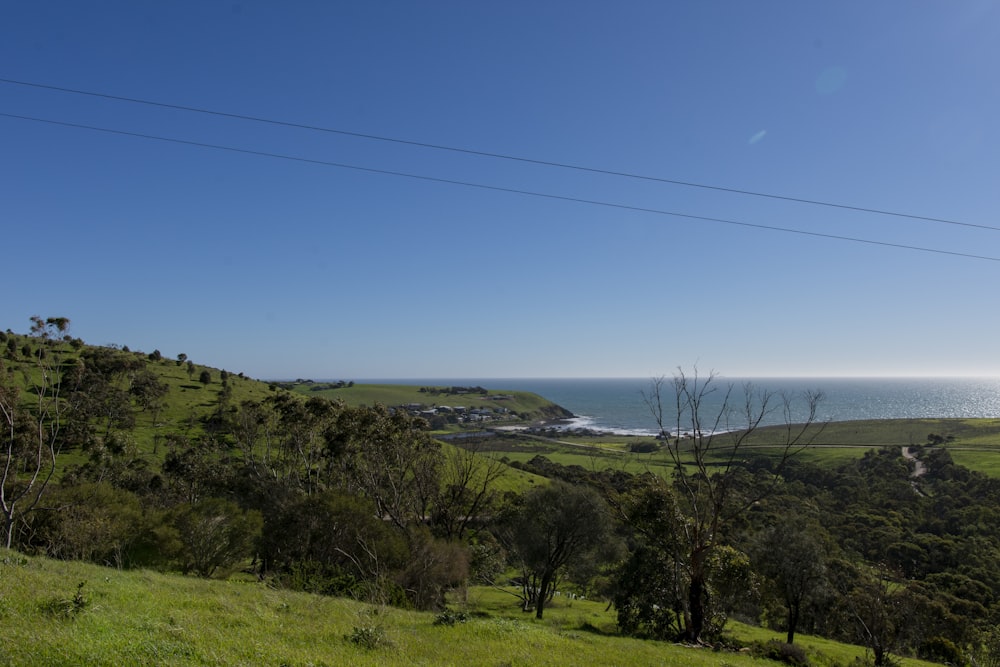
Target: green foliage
point(215, 533)
point(369, 637)
point(333, 543)
point(433, 568)
point(649, 596)
point(451, 617)
point(98, 523)
point(321, 579)
point(66, 607)
point(555, 527)
point(941, 649)
point(791, 557)
point(778, 651)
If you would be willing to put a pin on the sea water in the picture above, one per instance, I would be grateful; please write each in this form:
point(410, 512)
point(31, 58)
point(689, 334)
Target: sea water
point(622, 405)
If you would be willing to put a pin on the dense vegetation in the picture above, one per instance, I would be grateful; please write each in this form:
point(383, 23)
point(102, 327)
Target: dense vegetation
point(125, 459)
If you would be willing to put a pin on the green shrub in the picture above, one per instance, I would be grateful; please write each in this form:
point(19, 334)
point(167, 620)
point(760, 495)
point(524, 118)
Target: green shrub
point(790, 654)
point(941, 649)
point(67, 607)
point(450, 617)
point(369, 637)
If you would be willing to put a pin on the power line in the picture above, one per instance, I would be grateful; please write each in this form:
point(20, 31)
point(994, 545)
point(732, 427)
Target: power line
point(497, 188)
point(501, 156)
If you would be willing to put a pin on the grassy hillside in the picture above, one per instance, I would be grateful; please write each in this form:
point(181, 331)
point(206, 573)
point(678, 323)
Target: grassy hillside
point(189, 401)
point(525, 405)
point(145, 618)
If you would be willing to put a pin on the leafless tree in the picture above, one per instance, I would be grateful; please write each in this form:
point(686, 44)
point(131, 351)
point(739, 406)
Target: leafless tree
point(707, 442)
point(31, 434)
point(467, 488)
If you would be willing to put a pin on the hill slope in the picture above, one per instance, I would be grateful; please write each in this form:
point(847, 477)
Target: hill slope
point(146, 618)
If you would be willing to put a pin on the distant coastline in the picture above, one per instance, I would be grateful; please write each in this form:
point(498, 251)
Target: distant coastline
point(617, 405)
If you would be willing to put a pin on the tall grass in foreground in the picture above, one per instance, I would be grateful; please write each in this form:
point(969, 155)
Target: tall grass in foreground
point(70, 613)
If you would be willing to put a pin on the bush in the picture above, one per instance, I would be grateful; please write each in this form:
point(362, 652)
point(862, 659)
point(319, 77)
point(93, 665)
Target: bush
point(318, 578)
point(450, 617)
point(369, 637)
point(67, 607)
point(215, 533)
point(790, 654)
point(941, 649)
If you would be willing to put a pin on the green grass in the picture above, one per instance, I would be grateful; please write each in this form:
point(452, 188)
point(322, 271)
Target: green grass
point(149, 618)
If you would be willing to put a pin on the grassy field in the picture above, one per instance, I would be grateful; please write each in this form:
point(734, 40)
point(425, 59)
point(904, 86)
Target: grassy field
point(147, 618)
point(974, 443)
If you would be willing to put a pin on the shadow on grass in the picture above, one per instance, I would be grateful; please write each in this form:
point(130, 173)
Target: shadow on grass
point(590, 628)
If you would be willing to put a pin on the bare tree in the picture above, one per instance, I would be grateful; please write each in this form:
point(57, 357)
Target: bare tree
point(706, 447)
point(31, 435)
point(467, 488)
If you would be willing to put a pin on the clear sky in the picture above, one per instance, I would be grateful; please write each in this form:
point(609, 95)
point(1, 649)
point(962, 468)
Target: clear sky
point(287, 268)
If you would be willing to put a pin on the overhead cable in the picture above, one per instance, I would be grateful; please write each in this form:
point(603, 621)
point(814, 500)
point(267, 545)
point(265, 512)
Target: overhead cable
point(502, 156)
point(496, 188)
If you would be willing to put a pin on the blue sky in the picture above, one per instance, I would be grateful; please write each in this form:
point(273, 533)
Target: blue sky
point(284, 268)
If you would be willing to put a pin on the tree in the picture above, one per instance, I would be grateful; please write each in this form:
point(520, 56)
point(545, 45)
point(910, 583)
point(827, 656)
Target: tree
point(652, 590)
point(250, 425)
point(554, 527)
point(467, 490)
point(215, 533)
point(95, 522)
point(711, 489)
point(181, 358)
point(332, 543)
point(389, 457)
point(792, 557)
point(303, 431)
point(101, 388)
point(878, 608)
point(148, 391)
point(31, 438)
point(205, 378)
point(433, 567)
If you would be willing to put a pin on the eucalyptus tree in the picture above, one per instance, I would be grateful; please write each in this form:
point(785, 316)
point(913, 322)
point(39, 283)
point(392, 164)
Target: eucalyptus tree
point(389, 457)
point(792, 556)
point(554, 527)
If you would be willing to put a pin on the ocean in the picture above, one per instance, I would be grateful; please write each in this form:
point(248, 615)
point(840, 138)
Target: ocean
point(618, 405)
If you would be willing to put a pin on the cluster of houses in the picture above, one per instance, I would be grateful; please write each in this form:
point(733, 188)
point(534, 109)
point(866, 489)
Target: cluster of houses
point(458, 414)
